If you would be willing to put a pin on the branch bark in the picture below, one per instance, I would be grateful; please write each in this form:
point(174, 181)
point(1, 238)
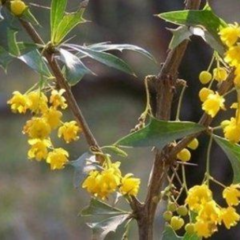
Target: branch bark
point(165, 88)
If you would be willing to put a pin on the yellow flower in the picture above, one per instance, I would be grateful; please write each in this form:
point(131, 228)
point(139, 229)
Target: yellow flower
point(231, 130)
point(57, 158)
point(203, 94)
point(232, 194)
point(17, 7)
point(109, 182)
point(69, 131)
point(229, 217)
point(91, 183)
point(204, 229)
point(229, 35)
point(236, 81)
point(213, 104)
point(220, 74)
point(197, 196)
point(38, 149)
point(37, 128)
point(232, 56)
point(53, 117)
point(38, 101)
point(19, 102)
point(116, 171)
point(129, 185)
point(237, 76)
point(209, 212)
point(184, 155)
point(193, 144)
point(57, 100)
point(176, 223)
point(101, 184)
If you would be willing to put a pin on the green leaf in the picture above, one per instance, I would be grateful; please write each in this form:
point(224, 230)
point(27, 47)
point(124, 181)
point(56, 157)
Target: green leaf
point(29, 17)
point(114, 149)
point(25, 47)
point(97, 207)
point(159, 133)
point(169, 234)
point(214, 43)
point(233, 153)
point(102, 228)
point(1, 16)
point(12, 43)
point(56, 15)
point(205, 19)
point(82, 166)
point(61, 23)
point(103, 47)
point(5, 58)
point(107, 59)
point(188, 236)
point(180, 34)
point(8, 24)
point(37, 62)
point(74, 67)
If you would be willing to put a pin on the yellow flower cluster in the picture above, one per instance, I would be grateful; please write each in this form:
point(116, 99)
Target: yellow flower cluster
point(209, 213)
point(46, 118)
point(230, 36)
point(212, 101)
point(102, 183)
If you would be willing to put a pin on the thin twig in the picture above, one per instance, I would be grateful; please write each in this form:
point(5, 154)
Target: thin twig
point(92, 142)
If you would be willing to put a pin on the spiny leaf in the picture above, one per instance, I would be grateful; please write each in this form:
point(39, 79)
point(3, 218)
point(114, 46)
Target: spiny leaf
point(25, 47)
point(205, 19)
point(29, 17)
point(68, 22)
point(214, 43)
point(85, 163)
point(97, 207)
point(233, 153)
point(5, 58)
point(12, 43)
point(37, 62)
point(106, 58)
point(1, 16)
point(75, 69)
point(169, 234)
point(159, 133)
point(103, 47)
point(115, 149)
point(180, 34)
point(102, 228)
point(57, 13)
point(188, 236)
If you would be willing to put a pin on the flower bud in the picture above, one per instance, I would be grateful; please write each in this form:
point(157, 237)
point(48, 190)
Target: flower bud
point(176, 223)
point(17, 7)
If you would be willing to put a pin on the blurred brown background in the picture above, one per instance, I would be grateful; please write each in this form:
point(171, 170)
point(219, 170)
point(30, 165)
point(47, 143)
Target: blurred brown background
point(36, 203)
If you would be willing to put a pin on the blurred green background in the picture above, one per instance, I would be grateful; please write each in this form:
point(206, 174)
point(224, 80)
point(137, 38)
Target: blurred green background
point(36, 203)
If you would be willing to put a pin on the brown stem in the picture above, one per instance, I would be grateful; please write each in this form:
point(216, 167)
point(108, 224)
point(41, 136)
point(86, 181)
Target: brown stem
point(165, 88)
point(92, 142)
